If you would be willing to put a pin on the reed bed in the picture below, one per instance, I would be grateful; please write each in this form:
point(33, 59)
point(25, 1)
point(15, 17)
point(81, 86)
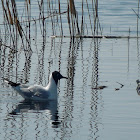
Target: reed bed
point(82, 21)
point(22, 28)
point(77, 24)
point(51, 18)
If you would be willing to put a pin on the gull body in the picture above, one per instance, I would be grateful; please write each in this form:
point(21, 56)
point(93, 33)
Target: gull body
point(38, 92)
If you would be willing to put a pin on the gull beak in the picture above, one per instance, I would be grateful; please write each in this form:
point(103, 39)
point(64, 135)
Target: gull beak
point(64, 77)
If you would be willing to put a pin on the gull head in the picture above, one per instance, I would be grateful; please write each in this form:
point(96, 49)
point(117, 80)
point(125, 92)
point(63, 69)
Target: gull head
point(137, 81)
point(57, 76)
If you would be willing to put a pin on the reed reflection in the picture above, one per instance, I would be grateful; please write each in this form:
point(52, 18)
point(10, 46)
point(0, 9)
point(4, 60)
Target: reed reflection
point(27, 106)
point(2, 60)
point(128, 55)
point(72, 55)
point(40, 67)
point(96, 100)
point(67, 113)
point(26, 70)
point(138, 55)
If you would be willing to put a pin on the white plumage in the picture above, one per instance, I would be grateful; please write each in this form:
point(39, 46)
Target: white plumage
point(38, 92)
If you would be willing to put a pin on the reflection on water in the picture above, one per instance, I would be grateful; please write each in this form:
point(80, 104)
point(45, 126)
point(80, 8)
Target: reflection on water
point(95, 118)
point(37, 107)
point(82, 111)
point(30, 120)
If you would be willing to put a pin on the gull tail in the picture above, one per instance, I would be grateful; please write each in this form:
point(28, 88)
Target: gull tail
point(11, 83)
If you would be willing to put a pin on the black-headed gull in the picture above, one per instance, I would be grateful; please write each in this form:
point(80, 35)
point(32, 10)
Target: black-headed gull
point(38, 92)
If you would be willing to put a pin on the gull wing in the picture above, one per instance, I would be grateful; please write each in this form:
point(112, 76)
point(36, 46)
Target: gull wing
point(35, 92)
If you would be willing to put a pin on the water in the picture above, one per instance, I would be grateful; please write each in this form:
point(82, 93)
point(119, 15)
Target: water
point(82, 112)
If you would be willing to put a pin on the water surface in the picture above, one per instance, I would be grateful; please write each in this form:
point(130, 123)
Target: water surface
point(82, 112)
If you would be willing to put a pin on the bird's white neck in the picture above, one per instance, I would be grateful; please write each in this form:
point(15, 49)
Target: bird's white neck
point(52, 88)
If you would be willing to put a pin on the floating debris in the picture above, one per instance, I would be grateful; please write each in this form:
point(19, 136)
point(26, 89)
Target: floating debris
point(120, 87)
point(100, 87)
point(117, 88)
